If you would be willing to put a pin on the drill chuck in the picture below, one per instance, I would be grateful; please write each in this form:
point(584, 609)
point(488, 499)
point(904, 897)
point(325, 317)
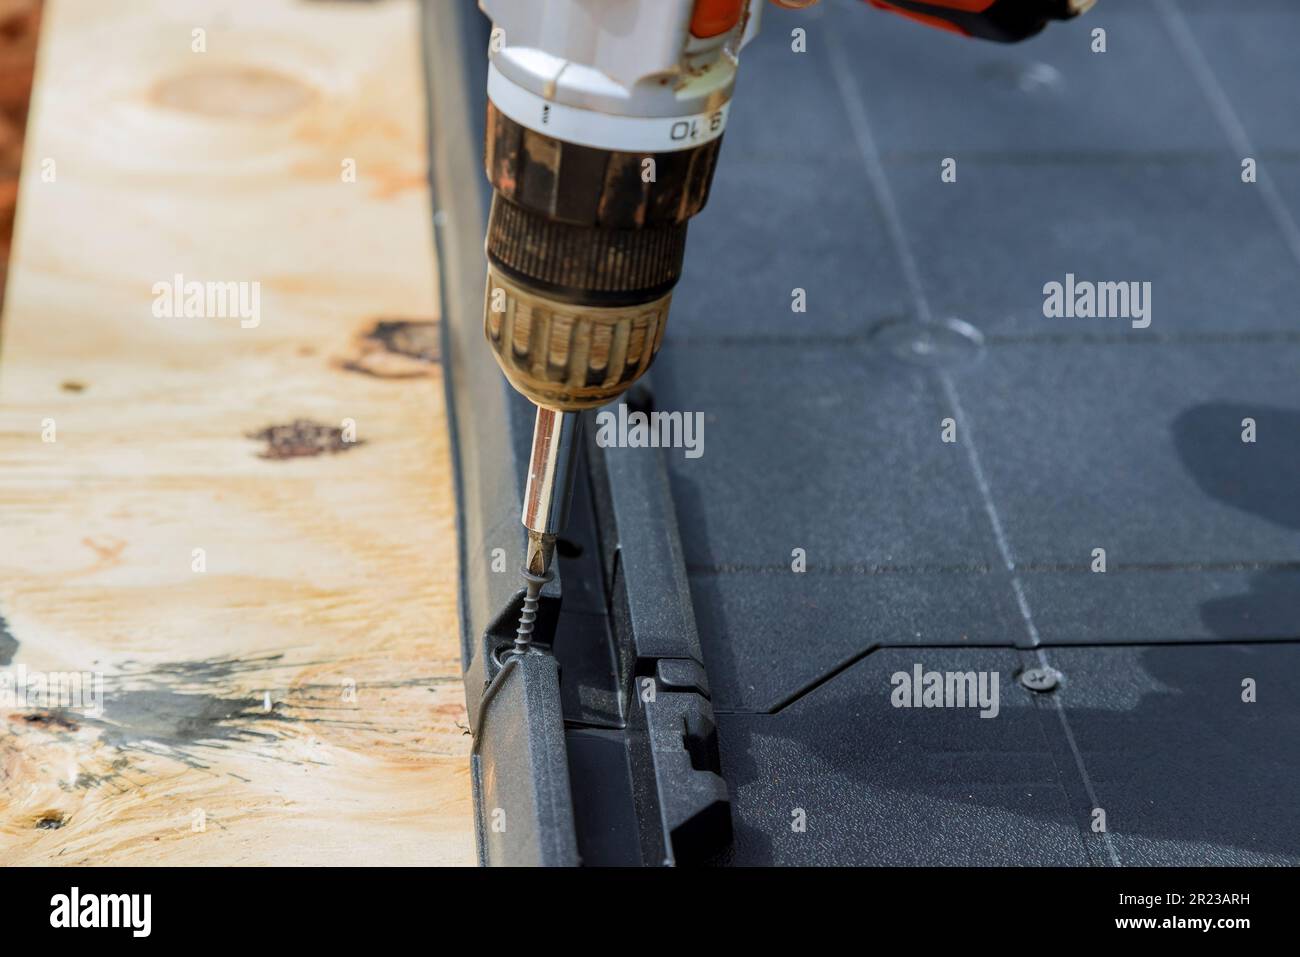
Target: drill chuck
point(584, 247)
point(569, 356)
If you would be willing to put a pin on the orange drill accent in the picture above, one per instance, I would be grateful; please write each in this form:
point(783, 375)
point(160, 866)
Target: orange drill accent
point(713, 17)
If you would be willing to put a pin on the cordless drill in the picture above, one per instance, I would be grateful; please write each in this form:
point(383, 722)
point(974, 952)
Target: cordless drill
point(605, 118)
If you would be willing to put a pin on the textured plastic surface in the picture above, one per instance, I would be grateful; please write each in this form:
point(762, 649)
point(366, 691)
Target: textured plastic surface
point(1184, 771)
point(823, 433)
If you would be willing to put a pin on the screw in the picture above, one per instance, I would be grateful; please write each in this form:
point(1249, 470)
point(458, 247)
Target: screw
point(1041, 680)
point(532, 598)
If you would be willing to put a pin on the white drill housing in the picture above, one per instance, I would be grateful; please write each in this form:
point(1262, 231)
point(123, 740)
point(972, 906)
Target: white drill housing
point(552, 61)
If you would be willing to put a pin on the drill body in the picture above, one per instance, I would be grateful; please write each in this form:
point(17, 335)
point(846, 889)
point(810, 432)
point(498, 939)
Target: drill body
point(604, 122)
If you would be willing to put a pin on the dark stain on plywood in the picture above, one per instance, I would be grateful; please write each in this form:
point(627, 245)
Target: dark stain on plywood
point(302, 438)
point(8, 643)
point(396, 349)
point(176, 722)
point(47, 719)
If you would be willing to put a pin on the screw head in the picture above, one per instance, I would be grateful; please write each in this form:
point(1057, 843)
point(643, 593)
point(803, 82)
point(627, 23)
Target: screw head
point(1040, 680)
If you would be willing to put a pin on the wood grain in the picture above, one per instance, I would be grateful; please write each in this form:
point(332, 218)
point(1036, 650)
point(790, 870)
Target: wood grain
point(298, 698)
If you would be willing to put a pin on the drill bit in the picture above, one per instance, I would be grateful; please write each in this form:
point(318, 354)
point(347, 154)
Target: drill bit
point(546, 506)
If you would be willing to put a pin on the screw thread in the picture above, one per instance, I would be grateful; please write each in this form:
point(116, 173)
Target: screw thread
point(528, 615)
